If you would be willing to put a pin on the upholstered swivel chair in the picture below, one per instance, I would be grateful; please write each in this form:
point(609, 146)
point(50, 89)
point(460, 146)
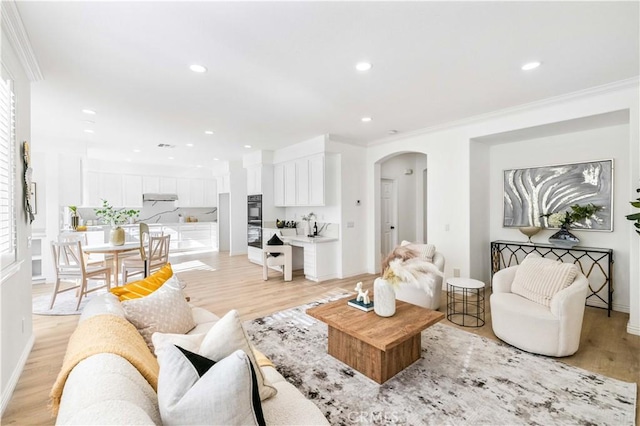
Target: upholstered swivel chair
point(428, 298)
point(552, 330)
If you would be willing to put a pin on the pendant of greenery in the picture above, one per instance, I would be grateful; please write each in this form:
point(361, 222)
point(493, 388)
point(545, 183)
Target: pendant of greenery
point(635, 216)
point(112, 216)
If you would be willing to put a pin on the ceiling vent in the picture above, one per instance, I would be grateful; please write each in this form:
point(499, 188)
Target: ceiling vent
point(165, 145)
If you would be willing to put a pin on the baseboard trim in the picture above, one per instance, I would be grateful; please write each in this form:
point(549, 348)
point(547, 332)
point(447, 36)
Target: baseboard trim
point(633, 329)
point(615, 306)
point(17, 372)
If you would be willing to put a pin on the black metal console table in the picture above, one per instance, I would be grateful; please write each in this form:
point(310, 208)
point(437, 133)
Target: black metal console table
point(595, 263)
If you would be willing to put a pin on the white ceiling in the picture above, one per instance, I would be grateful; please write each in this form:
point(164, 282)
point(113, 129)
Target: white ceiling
point(280, 73)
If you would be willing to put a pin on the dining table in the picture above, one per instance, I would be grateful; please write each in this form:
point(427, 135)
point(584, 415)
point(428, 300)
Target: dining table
point(112, 250)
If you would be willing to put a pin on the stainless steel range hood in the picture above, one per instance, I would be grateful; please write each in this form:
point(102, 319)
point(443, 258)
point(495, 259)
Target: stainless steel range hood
point(159, 197)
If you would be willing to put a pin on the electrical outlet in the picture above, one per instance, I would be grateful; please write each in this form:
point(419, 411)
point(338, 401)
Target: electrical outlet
point(350, 224)
point(447, 227)
point(456, 272)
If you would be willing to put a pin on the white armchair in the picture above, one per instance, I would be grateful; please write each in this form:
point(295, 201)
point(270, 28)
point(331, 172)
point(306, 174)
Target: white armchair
point(427, 299)
point(530, 326)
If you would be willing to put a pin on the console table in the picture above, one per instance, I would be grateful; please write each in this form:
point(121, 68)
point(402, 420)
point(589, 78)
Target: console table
point(595, 263)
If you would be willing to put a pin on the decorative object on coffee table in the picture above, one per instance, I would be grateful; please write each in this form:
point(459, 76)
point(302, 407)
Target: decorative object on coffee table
point(363, 296)
point(385, 295)
point(529, 231)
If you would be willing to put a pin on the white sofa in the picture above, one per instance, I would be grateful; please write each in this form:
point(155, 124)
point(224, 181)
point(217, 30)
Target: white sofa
point(106, 389)
point(427, 299)
point(530, 326)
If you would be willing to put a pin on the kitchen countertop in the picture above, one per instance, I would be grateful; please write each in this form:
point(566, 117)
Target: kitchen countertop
point(312, 240)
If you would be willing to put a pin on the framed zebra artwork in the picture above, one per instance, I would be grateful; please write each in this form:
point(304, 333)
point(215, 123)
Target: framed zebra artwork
point(532, 192)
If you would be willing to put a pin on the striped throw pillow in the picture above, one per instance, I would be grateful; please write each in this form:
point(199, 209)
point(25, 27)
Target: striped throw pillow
point(144, 287)
point(425, 251)
point(539, 279)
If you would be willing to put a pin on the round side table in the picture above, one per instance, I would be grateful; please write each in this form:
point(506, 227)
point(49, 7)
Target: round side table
point(465, 302)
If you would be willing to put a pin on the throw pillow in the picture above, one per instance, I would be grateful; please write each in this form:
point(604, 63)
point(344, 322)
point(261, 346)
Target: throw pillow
point(225, 337)
point(164, 310)
point(539, 279)
point(195, 390)
point(275, 241)
point(425, 251)
point(143, 287)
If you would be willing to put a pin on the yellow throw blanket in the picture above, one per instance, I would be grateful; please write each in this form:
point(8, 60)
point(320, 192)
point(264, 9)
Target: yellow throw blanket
point(110, 334)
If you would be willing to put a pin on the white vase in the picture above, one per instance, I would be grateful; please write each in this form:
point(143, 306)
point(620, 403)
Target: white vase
point(384, 298)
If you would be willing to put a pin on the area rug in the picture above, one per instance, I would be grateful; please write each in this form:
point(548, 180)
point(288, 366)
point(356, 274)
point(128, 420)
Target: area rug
point(460, 379)
point(65, 303)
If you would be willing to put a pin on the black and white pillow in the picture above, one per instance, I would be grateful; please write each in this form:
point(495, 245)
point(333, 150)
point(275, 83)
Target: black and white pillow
point(195, 390)
point(275, 241)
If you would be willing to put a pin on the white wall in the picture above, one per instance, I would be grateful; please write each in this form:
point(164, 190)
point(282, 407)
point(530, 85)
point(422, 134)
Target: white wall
point(480, 203)
point(237, 209)
point(16, 336)
point(449, 171)
point(589, 145)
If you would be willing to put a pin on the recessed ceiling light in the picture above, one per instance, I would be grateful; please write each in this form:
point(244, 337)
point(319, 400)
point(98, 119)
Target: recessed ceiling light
point(136, 150)
point(530, 66)
point(170, 158)
point(392, 132)
point(208, 132)
point(216, 159)
point(198, 68)
point(88, 131)
point(190, 145)
point(128, 160)
point(363, 66)
point(199, 166)
point(89, 121)
point(89, 111)
point(366, 119)
point(247, 146)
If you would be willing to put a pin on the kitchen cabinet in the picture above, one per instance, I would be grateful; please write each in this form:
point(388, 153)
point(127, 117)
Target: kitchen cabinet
point(224, 183)
point(254, 180)
point(132, 191)
point(196, 192)
point(183, 189)
point(150, 184)
point(299, 182)
point(290, 184)
point(37, 241)
point(168, 185)
point(100, 186)
point(210, 193)
point(278, 185)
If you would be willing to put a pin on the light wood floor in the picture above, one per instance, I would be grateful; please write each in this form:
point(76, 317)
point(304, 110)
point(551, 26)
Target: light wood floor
point(219, 283)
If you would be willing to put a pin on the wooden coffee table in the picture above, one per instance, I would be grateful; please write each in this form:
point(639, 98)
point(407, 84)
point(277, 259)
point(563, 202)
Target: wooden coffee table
point(377, 347)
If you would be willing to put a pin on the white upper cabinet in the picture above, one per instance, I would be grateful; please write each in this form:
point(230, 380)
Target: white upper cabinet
point(316, 180)
point(196, 192)
point(254, 180)
point(299, 182)
point(99, 186)
point(224, 183)
point(183, 189)
point(278, 185)
point(210, 193)
point(150, 184)
point(132, 190)
point(302, 182)
point(168, 185)
point(91, 189)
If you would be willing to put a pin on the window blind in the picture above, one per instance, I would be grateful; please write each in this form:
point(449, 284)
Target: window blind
point(7, 174)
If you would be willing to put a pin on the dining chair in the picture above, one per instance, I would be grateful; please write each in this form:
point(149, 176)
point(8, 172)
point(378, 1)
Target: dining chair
point(152, 257)
point(70, 265)
point(273, 255)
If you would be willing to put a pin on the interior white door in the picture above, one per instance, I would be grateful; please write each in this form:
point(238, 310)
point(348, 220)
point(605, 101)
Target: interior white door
point(387, 207)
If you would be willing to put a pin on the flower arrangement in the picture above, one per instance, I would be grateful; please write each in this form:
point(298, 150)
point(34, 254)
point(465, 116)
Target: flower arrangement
point(309, 217)
point(576, 214)
point(112, 216)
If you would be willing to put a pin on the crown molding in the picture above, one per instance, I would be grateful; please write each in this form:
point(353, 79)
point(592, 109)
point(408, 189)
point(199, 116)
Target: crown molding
point(19, 39)
point(633, 82)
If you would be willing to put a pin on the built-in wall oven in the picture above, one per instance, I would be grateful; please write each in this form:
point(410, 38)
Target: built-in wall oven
point(254, 223)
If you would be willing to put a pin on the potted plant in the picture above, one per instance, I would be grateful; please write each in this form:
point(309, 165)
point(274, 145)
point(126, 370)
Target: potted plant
point(131, 215)
point(308, 218)
point(115, 218)
point(635, 216)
